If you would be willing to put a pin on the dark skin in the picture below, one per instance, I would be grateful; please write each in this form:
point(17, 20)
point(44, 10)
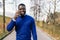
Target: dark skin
point(21, 11)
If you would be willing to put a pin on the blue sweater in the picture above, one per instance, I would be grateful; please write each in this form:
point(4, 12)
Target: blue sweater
point(23, 27)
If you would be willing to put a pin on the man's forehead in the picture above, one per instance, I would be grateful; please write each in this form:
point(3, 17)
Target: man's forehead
point(21, 6)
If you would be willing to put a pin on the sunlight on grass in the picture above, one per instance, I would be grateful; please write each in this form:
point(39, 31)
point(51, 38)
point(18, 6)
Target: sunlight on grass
point(53, 30)
point(7, 19)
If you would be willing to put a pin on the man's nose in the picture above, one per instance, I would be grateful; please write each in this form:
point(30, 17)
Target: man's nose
point(22, 10)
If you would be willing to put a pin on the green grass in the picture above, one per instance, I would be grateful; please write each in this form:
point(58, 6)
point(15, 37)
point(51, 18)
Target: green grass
point(3, 34)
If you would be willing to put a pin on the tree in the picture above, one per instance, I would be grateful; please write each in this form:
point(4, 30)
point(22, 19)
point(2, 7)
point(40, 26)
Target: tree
point(36, 9)
point(3, 15)
point(55, 5)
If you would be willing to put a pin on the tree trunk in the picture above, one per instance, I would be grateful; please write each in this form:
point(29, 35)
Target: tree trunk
point(3, 15)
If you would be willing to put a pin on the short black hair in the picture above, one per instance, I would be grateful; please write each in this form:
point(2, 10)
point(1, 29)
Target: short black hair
point(21, 5)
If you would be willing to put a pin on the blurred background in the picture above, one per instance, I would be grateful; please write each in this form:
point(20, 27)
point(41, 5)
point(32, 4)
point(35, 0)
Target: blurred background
point(45, 12)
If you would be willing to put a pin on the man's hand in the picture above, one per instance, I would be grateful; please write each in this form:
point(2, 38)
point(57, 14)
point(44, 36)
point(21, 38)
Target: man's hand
point(16, 14)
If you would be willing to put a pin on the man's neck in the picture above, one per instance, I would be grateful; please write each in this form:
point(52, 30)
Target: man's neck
point(22, 15)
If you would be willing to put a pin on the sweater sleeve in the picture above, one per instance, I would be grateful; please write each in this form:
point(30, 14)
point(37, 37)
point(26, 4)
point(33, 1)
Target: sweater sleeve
point(10, 25)
point(34, 30)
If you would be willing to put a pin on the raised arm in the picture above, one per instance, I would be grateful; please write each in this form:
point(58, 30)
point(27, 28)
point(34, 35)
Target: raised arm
point(12, 22)
point(11, 25)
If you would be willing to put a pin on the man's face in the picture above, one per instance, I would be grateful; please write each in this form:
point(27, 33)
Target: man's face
point(22, 10)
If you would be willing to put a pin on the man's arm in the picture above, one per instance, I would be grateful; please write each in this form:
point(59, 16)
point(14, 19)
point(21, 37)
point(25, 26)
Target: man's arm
point(12, 22)
point(34, 30)
point(11, 25)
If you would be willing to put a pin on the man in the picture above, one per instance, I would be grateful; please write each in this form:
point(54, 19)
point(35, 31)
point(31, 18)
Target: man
point(24, 24)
